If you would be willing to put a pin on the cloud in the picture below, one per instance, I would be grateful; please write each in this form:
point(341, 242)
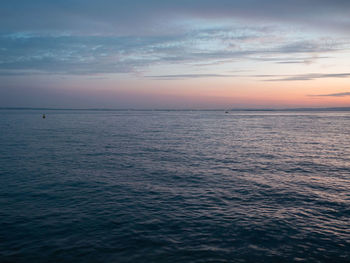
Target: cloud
point(304, 58)
point(341, 94)
point(135, 16)
point(74, 54)
point(191, 76)
point(310, 76)
point(85, 37)
point(64, 53)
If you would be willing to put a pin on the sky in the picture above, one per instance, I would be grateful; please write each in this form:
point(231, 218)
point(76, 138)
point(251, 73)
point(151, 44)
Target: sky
point(183, 54)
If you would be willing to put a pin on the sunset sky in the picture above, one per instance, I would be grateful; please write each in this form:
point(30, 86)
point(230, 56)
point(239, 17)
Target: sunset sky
point(174, 54)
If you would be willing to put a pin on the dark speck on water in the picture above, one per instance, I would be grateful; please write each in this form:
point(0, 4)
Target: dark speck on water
point(174, 186)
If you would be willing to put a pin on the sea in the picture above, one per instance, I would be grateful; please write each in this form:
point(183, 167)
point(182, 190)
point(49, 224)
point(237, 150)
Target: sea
point(174, 186)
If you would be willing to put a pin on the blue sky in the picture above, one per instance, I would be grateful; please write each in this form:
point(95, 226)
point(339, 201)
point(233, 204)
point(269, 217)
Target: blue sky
point(177, 54)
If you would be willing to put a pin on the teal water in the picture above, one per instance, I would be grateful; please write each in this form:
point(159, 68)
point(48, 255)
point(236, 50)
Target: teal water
point(174, 186)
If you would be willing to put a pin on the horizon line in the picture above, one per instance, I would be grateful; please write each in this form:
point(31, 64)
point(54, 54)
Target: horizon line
point(184, 109)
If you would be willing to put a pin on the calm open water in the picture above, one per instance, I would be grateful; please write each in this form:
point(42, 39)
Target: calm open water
point(174, 186)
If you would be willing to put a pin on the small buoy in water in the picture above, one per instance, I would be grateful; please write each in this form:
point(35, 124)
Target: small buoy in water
point(44, 116)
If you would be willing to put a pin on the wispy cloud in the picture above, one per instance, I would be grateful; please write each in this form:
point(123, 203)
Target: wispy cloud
point(114, 36)
point(310, 76)
point(115, 15)
point(341, 94)
point(74, 54)
point(190, 76)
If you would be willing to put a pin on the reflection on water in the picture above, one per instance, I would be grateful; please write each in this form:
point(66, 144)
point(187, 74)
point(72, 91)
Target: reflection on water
point(174, 186)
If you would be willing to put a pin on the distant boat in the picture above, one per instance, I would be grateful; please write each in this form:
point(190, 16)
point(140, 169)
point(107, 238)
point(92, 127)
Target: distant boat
point(44, 116)
point(226, 111)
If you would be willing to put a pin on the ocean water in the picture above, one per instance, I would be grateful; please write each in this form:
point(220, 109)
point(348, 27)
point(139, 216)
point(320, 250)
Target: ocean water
point(174, 186)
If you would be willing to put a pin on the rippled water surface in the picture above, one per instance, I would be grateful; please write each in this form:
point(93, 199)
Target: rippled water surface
point(174, 186)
